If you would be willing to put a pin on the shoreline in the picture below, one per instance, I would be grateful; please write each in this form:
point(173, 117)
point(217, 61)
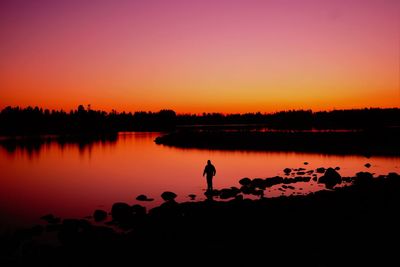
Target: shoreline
point(367, 143)
point(355, 217)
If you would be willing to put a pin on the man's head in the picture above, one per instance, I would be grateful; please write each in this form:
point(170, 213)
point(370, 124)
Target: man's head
point(208, 161)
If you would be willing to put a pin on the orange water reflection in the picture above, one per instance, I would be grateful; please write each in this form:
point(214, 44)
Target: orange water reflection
point(72, 180)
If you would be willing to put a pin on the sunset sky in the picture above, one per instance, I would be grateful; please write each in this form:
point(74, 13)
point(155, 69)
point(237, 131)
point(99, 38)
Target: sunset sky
point(194, 56)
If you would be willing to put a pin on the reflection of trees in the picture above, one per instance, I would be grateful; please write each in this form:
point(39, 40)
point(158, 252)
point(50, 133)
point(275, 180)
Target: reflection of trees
point(34, 145)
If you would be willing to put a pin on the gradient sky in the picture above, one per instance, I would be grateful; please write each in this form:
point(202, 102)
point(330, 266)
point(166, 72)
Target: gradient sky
point(194, 56)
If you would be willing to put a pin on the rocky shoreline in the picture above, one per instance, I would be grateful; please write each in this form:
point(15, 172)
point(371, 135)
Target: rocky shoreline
point(350, 225)
point(342, 225)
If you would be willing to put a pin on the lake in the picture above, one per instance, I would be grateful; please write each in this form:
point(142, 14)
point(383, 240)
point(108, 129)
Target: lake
point(72, 180)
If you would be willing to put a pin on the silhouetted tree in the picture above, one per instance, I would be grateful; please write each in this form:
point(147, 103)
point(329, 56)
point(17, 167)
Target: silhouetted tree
point(35, 120)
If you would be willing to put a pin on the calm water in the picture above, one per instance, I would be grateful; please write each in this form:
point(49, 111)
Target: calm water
point(72, 180)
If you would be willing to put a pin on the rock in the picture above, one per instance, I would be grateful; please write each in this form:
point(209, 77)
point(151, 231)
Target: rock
point(259, 193)
point(143, 198)
point(168, 196)
point(320, 170)
point(363, 178)
point(245, 181)
point(192, 196)
point(330, 178)
point(213, 193)
point(259, 183)
point(392, 176)
point(72, 231)
point(50, 218)
point(99, 215)
point(273, 181)
point(228, 193)
point(53, 227)
point(305, 163)
point(367, 165)
point(138, 210)
point(287, 171)
point(347, 179)
point(239, 198)
point(247, 189)
point(235, 189)
point(121, 211)
point(337, 168)
point(301, 173)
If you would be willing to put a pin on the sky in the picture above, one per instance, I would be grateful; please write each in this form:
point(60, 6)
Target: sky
point(226, 56)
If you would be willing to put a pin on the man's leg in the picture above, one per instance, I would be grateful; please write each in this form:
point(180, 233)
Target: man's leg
point(209, 183)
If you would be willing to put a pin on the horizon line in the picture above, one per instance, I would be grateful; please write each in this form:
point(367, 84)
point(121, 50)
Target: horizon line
point(89, 107)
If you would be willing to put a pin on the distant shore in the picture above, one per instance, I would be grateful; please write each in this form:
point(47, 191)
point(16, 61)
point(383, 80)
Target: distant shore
point(350, 225)
point(38, 120)
point(363, 142)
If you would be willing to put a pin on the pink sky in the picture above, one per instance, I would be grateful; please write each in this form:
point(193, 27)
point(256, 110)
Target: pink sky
point(195, 56)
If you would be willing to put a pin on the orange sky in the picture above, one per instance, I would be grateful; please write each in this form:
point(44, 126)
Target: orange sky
point(211, 56)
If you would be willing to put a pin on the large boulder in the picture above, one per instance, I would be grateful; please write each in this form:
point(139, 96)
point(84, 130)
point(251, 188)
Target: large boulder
point(330, 178)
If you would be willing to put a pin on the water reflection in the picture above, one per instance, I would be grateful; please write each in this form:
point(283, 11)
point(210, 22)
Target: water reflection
point(33, 146)
point(72, 177)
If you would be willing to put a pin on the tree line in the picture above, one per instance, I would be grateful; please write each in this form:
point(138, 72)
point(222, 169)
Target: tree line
point(36, 120)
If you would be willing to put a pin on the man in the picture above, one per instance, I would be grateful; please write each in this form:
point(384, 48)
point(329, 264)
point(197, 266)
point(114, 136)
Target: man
point(209, 171)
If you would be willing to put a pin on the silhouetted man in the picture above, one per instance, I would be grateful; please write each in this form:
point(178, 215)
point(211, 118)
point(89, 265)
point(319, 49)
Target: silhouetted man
point(210, 172)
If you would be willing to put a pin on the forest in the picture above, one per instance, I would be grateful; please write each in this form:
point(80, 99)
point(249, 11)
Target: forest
point(36, 120)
